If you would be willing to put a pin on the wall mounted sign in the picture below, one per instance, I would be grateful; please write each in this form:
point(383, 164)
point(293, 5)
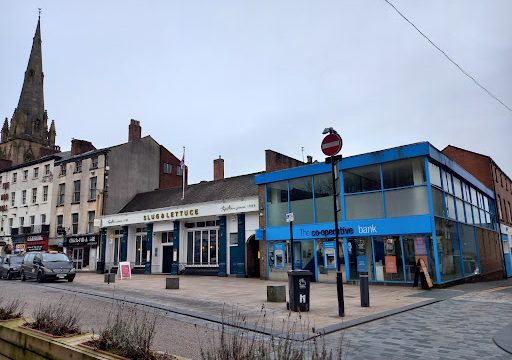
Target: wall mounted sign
point(81, 240)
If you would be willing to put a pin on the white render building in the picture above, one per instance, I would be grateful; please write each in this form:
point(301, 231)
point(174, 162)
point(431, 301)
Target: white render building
point(25, 204)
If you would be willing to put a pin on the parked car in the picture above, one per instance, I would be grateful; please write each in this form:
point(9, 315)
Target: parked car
point(44, 265)
point(10, 266)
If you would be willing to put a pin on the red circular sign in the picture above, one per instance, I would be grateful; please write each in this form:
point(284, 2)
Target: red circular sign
point(331, 144)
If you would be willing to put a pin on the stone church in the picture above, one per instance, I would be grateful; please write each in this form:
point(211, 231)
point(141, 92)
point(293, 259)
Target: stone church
point(28, 137)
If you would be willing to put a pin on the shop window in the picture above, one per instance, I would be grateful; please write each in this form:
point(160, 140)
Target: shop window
point(406, 202)
point(301, 200)
point(364, 206)
point(360, 257)
point(362, 179)
point(410, 172)
point(323, 198)
point(388, 259)
point(418, 247)
point(233, 239)
point(437, 202)
point(202, 247)
point(277, 203)
point(467, 237)
point(448, 249)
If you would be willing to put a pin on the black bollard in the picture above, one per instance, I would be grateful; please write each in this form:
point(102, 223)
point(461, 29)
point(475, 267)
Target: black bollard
point(341, 300)
point(363, 287)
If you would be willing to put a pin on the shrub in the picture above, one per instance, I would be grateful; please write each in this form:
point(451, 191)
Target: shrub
point(129, 333)
point(57, 319)
point(233, 339)
point(11, 309)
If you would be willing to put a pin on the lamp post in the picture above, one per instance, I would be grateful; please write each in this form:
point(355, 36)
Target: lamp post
point(331, 145)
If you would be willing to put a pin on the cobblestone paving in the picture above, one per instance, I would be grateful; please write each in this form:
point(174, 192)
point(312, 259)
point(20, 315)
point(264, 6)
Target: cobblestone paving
point(458, 328)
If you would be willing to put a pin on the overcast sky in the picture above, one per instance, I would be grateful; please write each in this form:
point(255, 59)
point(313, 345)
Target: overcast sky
point(234, 78)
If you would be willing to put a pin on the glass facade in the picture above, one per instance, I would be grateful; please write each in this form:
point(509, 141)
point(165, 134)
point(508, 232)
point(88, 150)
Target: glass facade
point(393, 214)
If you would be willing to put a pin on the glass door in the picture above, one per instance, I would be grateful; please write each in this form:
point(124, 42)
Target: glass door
point(78, 257)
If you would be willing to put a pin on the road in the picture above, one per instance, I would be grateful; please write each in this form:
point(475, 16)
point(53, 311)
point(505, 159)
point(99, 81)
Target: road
point(461, 326)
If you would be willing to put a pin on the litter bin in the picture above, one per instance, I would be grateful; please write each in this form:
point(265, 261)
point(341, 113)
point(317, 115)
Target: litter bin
point(298, 288)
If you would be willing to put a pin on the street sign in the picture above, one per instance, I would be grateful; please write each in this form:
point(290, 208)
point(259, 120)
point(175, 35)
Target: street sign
point(331, 144)
point(289, 217)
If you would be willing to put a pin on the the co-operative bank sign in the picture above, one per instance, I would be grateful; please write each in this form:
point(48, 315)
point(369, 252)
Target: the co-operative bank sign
point(374, 227)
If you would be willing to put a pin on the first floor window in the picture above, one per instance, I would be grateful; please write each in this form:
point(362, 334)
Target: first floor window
point(140, 249)
point(74, 223)
point(202, 247)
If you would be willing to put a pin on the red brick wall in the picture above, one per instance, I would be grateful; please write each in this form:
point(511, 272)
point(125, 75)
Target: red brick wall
point(503, 188)
point(275, 161)
point(218, 169)
point(478, 165)
point(169, 180)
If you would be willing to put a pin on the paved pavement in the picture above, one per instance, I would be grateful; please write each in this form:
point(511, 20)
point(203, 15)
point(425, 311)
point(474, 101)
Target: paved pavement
point(459, 322)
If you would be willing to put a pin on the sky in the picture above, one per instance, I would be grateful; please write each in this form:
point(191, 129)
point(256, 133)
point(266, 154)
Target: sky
point(233, 78)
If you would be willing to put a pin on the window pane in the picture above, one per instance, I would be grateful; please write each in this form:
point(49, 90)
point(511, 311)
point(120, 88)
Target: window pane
point(473, 197)
point(404, 202)
point(437, 202)
point(364, 206)
point(362, 179)
point(197, 247)
point(460, 210)
point(323, 198)
point(190, 247)
point(469, 216)
point(448, 249)
point(388, 259)
point(277, 203)
point(213, 247)
point(204, 248)
point(301, 200)
point(476, 215)
point(457, 187)
point(467, 237)
point(450, 206)
point(144, 249)
point(403, 173)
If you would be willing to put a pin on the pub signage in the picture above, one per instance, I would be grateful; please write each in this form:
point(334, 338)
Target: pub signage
point(36, 242)
point(81, 240)
point(171, 214)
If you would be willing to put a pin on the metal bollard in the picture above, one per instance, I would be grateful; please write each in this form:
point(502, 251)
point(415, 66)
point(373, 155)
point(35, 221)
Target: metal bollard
point(341, 300)
point(363, 287)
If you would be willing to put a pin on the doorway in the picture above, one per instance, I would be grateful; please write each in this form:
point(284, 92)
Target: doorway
point(78, 257)
point(167, 252)
point(253, 257)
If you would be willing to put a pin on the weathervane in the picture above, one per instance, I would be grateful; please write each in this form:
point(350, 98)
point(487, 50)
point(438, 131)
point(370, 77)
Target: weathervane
point(39, 9)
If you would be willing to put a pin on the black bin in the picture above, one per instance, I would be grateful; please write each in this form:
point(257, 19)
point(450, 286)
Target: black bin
point(298, 289)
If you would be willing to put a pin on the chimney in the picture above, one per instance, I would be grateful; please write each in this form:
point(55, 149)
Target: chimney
point(81, 146)
point(134, 130)
point(218, 169)
point(310, 159)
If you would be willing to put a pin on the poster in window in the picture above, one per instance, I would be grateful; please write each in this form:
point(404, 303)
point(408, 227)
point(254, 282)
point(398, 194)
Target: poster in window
point(390, 246)
point(420, 249)
point(330, 254)
point(390, 261)
point(279, 256)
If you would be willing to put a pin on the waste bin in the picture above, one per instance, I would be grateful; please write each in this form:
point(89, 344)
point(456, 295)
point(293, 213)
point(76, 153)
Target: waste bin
point(298, 289)
point(100, 267)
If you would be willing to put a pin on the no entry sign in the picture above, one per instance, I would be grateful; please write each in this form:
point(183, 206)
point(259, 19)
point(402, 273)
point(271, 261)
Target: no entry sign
point(331, 144)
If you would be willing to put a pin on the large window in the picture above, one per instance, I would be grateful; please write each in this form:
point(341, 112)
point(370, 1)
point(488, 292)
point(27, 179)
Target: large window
point(405, 202)
point(467, 237)
point(92, 188)
point(74, 223)
point(45, 193)
point(277, 203)
point(448, 249)
point(364, 206)
point(141, 248)
point(24, 197)
point(202, 247)
point(362, 179)
point(34, 195)
point(301, 200)
point(323, 198)
point(410, 172)
point(62, 189)
point(90, 222)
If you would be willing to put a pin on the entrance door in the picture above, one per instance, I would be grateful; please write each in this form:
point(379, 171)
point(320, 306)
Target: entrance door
point(78, 257)
point(167, 259)
point(253, 257)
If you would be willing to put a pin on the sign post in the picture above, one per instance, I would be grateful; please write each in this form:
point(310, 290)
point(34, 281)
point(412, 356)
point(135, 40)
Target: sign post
point(289, 219)
point(331, 146)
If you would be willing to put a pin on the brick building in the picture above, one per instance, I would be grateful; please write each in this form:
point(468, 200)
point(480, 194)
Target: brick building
point(485, 169)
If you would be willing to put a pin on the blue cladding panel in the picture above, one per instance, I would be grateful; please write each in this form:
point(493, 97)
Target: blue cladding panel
point(373, 227)
point(259, 234)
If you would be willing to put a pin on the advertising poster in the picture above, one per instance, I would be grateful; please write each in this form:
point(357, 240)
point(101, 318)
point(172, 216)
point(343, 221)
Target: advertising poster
point(280, 257)
point(124, 270)
point(390, 261)
point(361, 264)
point(36, 243)
point(420, 249)
point(330, 255)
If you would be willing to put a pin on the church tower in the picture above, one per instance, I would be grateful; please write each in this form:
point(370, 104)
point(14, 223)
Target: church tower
point(28, 137)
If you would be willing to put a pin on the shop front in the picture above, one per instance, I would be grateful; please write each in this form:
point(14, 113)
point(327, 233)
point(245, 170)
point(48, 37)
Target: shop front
point(82, 249)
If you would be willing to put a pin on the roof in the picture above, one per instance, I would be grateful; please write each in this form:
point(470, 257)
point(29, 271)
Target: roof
point(228, 188)
point(55, 156)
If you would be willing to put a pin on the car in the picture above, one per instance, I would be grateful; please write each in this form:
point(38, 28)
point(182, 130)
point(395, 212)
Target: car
point(44, 265)
point(10, 266)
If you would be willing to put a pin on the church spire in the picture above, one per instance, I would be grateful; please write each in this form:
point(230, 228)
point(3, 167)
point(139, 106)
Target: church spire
point(29, 116)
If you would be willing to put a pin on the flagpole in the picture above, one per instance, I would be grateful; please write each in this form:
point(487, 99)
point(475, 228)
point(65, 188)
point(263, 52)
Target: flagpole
point(183, 174)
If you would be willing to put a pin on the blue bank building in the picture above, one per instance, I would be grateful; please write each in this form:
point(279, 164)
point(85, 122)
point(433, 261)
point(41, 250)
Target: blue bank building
point(398, 205)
